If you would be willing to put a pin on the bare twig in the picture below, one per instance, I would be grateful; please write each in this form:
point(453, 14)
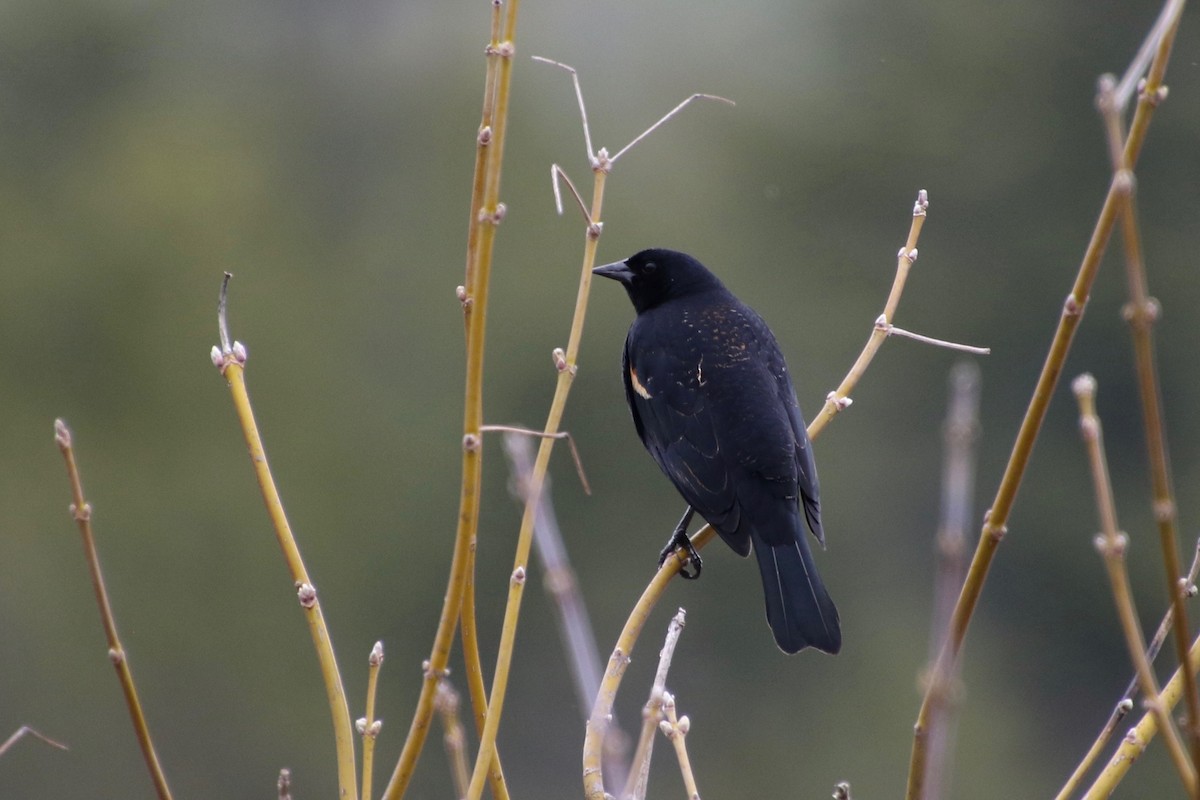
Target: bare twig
point(959, 434)
point(676, 730)
point(892, 330)
point(81, 512)
point(1119, 713)
point(664, 119)
point(839, 398)
point(557, 173)
point(231, 362)
point(1167, 19)
point(1141, 313)
point(587, 132)
point(583, 481)
point(1125, 704)
point(579, 641)
point(446, 703)
point(1139, 737)
point(1112, 543)
point(996, 520)
point(486, 214)
point(652, 712)
point(222, 315)
point(23, 731)
point(369, 727)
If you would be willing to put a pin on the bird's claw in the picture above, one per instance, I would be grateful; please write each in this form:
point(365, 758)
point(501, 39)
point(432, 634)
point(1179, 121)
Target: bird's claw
point(681, 547)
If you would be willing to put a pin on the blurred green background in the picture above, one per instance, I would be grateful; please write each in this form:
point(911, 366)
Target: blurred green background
point(323, 152)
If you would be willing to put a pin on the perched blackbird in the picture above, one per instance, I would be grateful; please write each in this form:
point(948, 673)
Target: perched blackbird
point(713, 402)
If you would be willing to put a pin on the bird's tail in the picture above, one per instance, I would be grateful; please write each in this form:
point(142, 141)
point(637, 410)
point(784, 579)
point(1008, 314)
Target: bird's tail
point(799, 610)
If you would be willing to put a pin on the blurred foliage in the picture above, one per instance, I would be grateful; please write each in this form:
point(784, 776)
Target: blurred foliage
point(322, 152)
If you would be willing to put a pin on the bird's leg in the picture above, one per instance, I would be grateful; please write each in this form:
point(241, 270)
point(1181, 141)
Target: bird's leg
point(680, 541)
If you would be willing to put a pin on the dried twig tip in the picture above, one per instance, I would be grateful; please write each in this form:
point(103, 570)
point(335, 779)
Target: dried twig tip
point(222, 313)
point(376, 657)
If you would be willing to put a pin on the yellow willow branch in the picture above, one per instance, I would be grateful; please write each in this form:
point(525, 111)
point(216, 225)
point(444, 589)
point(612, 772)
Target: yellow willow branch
point(1112, 544)
point(996, 520)
point(486, 214)
point(566, 376)
point(232, 364)
point(1139, 737)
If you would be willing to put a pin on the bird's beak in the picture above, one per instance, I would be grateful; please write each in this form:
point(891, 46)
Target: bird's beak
point(617, 270)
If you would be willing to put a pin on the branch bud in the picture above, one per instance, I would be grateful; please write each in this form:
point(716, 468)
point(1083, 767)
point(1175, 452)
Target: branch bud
point(921, 207)
point(306, 593)
point(1084, 385)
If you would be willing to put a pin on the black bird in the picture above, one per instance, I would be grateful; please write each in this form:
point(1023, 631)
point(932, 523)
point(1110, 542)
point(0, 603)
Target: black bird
point(713, 402)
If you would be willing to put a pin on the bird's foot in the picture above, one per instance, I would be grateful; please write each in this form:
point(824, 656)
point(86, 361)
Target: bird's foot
point(681, 547)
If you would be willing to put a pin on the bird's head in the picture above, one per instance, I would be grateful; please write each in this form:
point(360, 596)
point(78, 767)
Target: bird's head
point(652, 277)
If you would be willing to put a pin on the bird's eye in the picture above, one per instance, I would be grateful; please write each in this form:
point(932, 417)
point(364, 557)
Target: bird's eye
point(649, 267)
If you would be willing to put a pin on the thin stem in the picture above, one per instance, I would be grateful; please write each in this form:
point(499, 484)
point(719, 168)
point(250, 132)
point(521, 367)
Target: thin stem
point(566, 377)
point(476, 688)
point(892, 330)
point(578, 638)
point(598, 723)
point(587, 131)
point(1141, 313)
point(839, 398)
point(1167, 18)
point(486, 214)
point(557, 173)
point(233, 369)
point(455, 740)
point(959, 434)
point(1125, 704)
point(368, 726)
point(1119, 712)
point(652, 712)
point(676, 730)
point(583, 481)
point(23, 731)
point(81, 511)
point(665, 118)
point(1135, 742)
point(996, 519)
point(1111, 544)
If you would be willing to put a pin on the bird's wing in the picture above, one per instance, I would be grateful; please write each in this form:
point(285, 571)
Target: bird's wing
point(673, 419)
point(806, 467)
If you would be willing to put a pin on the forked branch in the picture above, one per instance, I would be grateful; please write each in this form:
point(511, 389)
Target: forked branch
point(996, 520)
